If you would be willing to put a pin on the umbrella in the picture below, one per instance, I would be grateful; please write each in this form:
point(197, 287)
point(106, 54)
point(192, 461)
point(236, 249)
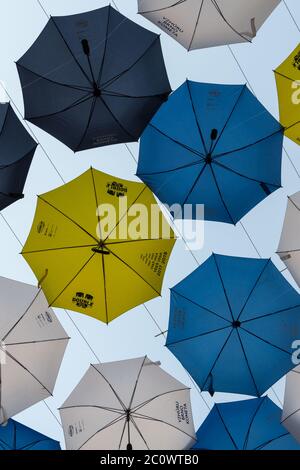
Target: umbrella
point(32, 346)
point(232, 324)
point(214, 145)
point(291, 405)
point(93, 79)
point(289, 246)
point(16, 436)
point(131, 404)
point(196, 24)
point(288, 82)
point(101, 265)
point(245, 425)
point(17, 149)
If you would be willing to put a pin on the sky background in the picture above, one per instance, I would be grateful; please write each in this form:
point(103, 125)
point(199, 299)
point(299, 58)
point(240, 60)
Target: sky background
point(134, 334)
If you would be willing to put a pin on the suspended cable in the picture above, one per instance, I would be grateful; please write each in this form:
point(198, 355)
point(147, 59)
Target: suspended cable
point(291, 15)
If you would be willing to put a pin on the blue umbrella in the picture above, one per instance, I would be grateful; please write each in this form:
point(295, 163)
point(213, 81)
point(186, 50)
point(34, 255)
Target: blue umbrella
point(232, 324)
point(16, 436)
point(245, 425)
point(214, 145)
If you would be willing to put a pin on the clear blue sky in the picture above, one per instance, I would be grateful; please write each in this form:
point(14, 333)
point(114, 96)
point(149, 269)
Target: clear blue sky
point(133, 334)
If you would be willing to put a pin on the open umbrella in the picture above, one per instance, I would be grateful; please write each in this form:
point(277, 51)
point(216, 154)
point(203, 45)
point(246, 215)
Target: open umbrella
point(291, 405)
point(91, 249)
point(214, 145)
point(131, 404)
point(288, 87)
point(16, 436)
point(232, 324)
point(289, 245)
point(205, 23)
point(93, 79)
point(32, 346)
point(17, 149)
point(245, 425)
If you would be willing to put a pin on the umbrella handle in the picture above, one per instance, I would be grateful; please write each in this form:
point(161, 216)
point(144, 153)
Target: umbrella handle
point(43, 278)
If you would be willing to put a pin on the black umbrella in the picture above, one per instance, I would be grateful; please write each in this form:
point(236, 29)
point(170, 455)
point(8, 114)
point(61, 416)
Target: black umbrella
point(16, 152)
point(93, 79)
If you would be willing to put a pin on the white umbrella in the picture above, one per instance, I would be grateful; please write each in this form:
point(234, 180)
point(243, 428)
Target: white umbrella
point(205, 23)
point(131, 404)
point(291, 406)
point(32, 345)
point(289, 245)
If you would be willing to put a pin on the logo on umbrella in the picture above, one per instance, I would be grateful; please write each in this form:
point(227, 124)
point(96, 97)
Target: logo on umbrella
point(116, 189)
point(83, 300)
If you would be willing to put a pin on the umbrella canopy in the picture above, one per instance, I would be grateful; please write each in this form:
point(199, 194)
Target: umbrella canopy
point(288, 87)
point(214, 145)
point(90, 249)
point(32, 346)
point(245, 425)
point(237, 308)
point(131, 404)
point(205, 23)
point(93, 79)
point(289, 245)
point(16, 436)
point(291, 405)
point(17, 149)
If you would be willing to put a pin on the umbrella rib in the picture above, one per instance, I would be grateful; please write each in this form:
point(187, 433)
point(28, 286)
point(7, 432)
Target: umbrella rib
point(245, 147)
point(244, 176)
point(229, 117)
point(293, 202)
point(186, 147)
point(195, 116)
point(284, 76)
point(157, 420)
point(27, 370)
point(225, 426)
point(197, 336)
point(29, 446)
point(44, 77)
point(287, 251)
point(105, 47)
point(141, 405)
point(78, 102)
point(227, 22)
point(193, 186)
point(220, 194)
point(105, 408)
point(162, 9)
point(267, 263)
point(252, 421)
point(273, 313)
point(58, 249)
point(261, 446)
point(122, 95)
point(70, 51)
point(113, 79)
point(105, 292)
point(223, 286)
point(265, 341)
point(96, 199)
point(200, 306)
point(73, 279)
point(247, 362)
point(93, 106)
point(188, 165)
point(196, 26)
point(133, 270)
point(111, 387)
point(117, 120)
point(139, 432)
point(290, 415)
point(136, 382)
point(139, 240)
point(115, 421)
point(124, 215)
point(16, 162)
point(69, 218)
point(38, 341)
point(122, 434)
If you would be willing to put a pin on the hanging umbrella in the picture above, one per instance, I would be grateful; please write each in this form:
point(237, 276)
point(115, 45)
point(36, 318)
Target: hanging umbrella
point(214, 145)
point(131, 404)
point(16, 436)
point(93, 79)
point(93, 265)
point(291, 405)
point(232, 325)
point(197, 24)
point(245, 425)
point(32, 346)
point(288, 86)
point(17, 149)
point(289, 246)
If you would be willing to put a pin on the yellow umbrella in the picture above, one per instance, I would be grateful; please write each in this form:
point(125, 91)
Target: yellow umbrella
point(99, 245)
point(288, 86)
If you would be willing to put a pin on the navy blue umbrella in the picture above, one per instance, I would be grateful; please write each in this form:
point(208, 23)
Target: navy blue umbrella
point(16, 436)
point(93, 79)
point(245, 425)
point(214, 145)
point(232, 324)
point(17, 149)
